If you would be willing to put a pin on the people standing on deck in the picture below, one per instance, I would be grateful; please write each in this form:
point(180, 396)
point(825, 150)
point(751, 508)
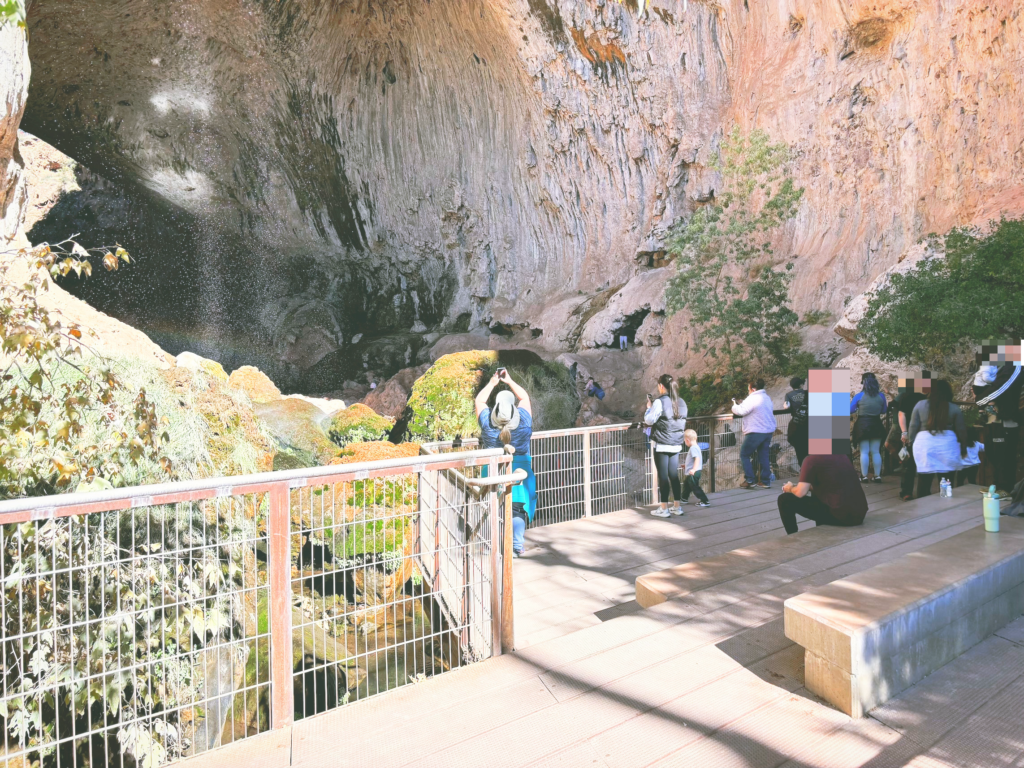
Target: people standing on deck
point(758, 427)
point(869, 404)
point(509, 424)
point(666, 416)
point(692, 469)
point(938, 434)
point(905, 402)
point(1000, 405)
point(797, 406)
point(837, 499)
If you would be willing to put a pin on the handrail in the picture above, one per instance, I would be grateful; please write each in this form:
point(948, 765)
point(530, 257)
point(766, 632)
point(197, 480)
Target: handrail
point(517, 476)
point(295, 478)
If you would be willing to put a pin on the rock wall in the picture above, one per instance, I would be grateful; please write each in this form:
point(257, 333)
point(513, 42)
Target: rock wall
point(14, 76)
point(366, 168)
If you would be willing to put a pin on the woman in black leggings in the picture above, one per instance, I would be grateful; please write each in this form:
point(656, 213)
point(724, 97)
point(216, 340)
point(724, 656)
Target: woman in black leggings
point(666, 416)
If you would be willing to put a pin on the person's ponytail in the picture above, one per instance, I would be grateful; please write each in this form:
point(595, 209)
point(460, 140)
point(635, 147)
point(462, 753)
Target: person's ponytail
point(674, 393)
point(505, 435)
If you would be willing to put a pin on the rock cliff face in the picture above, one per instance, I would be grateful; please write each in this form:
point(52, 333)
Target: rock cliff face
point(14, 74)
point(328, 170)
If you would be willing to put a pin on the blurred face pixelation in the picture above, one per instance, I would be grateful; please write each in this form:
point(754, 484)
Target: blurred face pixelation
point(997, 353)
point(920, 383)
point(828, 412)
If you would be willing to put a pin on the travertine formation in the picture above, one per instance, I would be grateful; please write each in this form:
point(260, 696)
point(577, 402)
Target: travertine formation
point(14, 74)
point(343, 170)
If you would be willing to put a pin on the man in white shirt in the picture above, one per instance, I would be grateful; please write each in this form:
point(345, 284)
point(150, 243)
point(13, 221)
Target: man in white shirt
point(758, 428)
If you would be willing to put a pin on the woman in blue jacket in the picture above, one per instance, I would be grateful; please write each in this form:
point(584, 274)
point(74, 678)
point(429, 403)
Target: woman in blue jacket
point(509, 424)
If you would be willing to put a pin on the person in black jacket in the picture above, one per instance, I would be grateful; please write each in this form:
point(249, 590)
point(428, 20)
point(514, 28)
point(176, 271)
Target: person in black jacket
point(666, 416)
point(1001, 408)
point(796, 406)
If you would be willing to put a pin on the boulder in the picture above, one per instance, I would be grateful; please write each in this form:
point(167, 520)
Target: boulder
point(358, 423)
point(389, 399)
point(256, 384)
point(193, 362)
point(328, 406)
point(441, 403)
point(295, 426)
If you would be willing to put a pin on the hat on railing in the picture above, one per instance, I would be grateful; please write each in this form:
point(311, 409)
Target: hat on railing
point(505, 413)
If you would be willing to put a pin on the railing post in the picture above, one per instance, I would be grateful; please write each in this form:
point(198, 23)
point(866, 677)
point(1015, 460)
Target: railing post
point(282, 706)
point(711, 458)
point(588, 503)
point(508, 627)
point(496, 553)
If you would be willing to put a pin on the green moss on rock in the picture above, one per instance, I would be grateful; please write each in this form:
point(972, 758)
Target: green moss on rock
point(357, 424)
point(441, 402)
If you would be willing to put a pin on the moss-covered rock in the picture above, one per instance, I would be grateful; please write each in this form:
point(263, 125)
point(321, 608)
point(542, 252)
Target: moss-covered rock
point(441, 403)
point(194, 362)
point(296, 428)
point(376, 451)
point(232, 439)
point(255, 383)
point(357, 424)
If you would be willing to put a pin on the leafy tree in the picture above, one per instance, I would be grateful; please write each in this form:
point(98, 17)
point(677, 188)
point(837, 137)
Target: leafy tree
point(726, 276)
point(942, 305)
point(54, 389)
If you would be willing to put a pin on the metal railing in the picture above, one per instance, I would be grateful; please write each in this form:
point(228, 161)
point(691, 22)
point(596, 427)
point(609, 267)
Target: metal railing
point(146, 625)
point(587, 471)
point(150, 624)
point(583, 471)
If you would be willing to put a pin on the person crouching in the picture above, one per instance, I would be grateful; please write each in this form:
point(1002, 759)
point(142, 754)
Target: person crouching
point(838, 498)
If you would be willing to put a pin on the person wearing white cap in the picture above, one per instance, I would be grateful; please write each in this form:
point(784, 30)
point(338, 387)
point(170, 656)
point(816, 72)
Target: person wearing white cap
point(509, 424)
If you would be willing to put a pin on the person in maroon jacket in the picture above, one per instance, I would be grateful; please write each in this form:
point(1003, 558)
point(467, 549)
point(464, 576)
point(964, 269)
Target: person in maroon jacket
point(827, 492)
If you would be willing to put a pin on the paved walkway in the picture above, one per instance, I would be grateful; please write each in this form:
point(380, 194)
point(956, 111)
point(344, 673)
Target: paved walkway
point(709, 680)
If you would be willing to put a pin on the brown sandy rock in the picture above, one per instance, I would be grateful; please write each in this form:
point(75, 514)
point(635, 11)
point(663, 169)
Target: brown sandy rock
point(255, 383)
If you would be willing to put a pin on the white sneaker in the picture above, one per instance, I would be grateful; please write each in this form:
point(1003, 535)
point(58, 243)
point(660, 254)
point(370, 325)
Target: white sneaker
point(659, 512)
point(677, 511)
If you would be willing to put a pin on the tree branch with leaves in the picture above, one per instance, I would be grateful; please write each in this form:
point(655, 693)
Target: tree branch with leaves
point(726, 270)
point(53, 385)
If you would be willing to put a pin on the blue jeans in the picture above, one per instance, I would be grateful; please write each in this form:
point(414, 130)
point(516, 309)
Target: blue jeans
point(518, 530)
point(871, 448)
point(759, 443)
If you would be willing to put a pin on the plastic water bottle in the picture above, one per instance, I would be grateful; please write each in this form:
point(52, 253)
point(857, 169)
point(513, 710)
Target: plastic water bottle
point(990, 509)
point(945, 488)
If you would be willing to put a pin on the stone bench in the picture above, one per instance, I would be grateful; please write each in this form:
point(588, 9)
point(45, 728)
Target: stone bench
point(874, 634)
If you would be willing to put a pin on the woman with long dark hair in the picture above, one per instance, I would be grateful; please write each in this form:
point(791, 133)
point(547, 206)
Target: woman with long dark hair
point(666, 416)
point(938, 436)
point(869, 431)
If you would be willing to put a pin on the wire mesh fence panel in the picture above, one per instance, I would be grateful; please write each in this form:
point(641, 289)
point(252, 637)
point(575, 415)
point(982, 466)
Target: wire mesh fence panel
point(703, 428)
point(557, 462)
point(134, 637)
point(392, 581)
point(728, 441)
point(620, 470)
